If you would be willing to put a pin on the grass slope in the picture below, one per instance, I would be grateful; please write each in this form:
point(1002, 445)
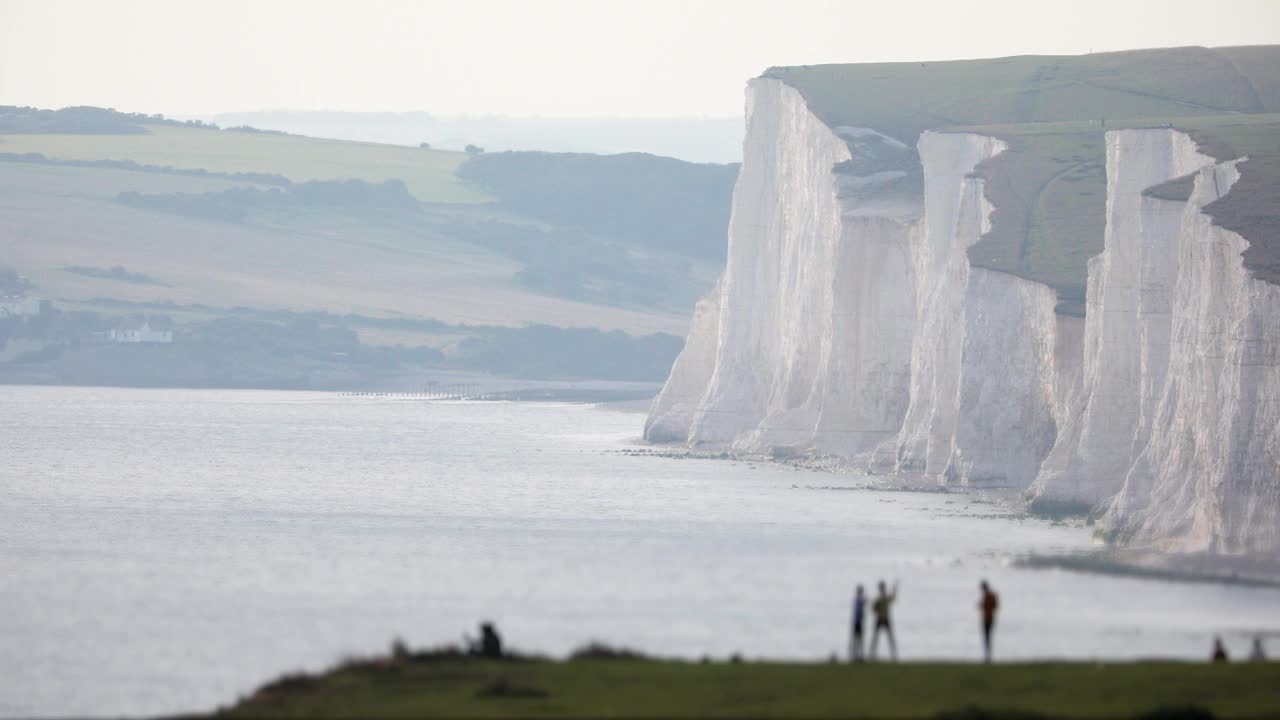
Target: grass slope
point(429, 174)
point(644, 201)
point(1049, 188)
point(1252, 208)
point(464, 687)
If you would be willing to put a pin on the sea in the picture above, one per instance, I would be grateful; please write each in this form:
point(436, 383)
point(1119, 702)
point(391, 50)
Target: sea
point(168, 551)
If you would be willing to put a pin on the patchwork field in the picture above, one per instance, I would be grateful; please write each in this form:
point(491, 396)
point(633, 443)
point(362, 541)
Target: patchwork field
point(57, 216)
point(284, 261)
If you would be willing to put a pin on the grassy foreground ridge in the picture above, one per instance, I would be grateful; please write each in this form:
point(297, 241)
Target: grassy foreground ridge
point(459, 686)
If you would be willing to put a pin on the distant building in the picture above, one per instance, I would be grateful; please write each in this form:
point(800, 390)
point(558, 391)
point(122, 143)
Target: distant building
point(142, 334)
point(19, 305)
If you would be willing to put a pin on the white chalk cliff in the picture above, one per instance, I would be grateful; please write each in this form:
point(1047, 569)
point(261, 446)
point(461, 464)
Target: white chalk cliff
point(849, 322)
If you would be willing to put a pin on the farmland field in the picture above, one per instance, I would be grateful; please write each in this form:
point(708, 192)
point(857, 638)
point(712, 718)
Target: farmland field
point(58, 216)
point(429, 174)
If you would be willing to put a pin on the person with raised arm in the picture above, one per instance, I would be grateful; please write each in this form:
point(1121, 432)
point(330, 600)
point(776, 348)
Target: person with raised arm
point(882, 608)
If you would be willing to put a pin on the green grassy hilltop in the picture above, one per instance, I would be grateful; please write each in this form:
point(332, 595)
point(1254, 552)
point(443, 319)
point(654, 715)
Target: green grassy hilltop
point(460, 687)
point(1050, 187)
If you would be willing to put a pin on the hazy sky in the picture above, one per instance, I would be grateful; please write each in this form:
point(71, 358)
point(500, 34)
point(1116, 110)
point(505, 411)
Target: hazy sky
point(543, 57)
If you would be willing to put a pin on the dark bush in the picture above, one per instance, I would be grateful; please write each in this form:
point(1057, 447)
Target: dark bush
point(596, 650)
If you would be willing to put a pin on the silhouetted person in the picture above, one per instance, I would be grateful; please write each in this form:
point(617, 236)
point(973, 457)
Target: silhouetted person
point(855, 636)
point(882, 608)
point(1219, 651)
point(490, 644)
point(987, 606)
point(1257, 654)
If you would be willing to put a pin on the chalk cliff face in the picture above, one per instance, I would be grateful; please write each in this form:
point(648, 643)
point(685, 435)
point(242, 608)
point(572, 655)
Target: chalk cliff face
point(1205, 474)
point(1127, 328)
point(1177, 431)
point(851, 323)
point(981, 375)
point(806, 341)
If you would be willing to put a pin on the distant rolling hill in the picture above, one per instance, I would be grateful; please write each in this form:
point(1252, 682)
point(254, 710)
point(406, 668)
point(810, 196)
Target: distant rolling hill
point(222, 219)
point(696, 139)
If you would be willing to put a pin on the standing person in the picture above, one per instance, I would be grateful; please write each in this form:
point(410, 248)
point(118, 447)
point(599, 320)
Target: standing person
point(1258, 654)
point(881, 608)
point(489, 645)
point(987, 605)
point(855, 637)
point(1219, 650)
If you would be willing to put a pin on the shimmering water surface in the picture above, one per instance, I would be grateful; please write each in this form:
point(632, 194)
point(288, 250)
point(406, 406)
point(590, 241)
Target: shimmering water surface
point(169, 550)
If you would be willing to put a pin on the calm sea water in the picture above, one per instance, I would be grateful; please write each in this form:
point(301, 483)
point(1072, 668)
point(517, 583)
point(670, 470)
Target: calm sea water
point(169, 550)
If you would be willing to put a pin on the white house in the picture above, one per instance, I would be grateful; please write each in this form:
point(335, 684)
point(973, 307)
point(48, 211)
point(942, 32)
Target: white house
point(19, 305)
point(142, 334)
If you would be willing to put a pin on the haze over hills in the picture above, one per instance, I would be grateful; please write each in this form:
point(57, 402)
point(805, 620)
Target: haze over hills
point(127, 219)
point(674, 346)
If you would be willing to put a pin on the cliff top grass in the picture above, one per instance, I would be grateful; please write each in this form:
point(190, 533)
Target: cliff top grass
point(457, 686)
point(1252, 208)
point(1049, 188)
point(1049, 191)
point(429, 174)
